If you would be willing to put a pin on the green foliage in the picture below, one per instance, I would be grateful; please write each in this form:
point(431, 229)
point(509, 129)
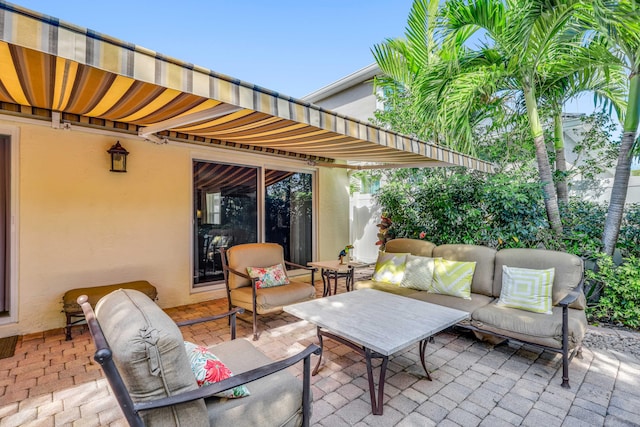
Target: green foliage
point(620, 301)
point(629, 238)
point(583, 222)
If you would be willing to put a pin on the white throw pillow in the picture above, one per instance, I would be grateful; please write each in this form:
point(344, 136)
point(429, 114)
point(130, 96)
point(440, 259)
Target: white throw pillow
point(418, 272)
point(527, 289)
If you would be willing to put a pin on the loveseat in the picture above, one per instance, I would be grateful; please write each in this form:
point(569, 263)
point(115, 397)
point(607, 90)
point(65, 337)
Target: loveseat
point(561, 330)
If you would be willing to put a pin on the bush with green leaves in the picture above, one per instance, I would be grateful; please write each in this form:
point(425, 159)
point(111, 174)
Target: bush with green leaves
point(619, 302)
point(629, 238)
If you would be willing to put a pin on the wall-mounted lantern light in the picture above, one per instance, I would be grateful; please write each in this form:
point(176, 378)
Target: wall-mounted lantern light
point(118, 157)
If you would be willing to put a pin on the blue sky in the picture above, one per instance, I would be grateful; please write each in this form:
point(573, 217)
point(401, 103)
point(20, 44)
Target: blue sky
point(292, 47)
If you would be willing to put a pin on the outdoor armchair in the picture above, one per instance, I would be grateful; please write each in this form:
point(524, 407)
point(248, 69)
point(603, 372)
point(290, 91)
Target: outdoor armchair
point(142, 353)
point(246, 292)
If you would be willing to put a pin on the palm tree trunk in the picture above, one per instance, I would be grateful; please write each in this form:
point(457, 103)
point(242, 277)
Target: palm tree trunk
point(623, 169)
point(561, 161)
point(544, 168)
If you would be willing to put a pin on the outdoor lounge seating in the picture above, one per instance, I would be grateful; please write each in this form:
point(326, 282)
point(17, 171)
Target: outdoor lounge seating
point(142, 353)
point(245, 291)
point(561, 331)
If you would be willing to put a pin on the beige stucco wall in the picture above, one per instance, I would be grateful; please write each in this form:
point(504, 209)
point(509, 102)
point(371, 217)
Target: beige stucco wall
point(81, 225)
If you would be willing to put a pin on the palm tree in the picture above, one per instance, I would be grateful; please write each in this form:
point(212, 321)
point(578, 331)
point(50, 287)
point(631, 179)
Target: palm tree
point(527, 38)
point(604, 79)
point(619, 21)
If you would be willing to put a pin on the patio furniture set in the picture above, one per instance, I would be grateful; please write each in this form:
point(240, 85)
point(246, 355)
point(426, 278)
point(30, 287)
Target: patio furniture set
point(142, 354)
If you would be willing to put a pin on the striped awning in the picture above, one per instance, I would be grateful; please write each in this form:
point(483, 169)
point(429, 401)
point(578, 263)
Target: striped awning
point(92, 78)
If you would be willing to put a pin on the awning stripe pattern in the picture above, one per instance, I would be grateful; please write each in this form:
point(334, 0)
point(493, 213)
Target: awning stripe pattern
point(54, 65)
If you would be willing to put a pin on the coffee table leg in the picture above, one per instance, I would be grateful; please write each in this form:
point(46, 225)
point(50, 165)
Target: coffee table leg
point(326, 287)
point(376, 401)
point(315, 370)
point(423, 347)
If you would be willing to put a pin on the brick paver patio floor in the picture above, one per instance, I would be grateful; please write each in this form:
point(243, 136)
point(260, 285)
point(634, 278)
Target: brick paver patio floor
point(53, 382)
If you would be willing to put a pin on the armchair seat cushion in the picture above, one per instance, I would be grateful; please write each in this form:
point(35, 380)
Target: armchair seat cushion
point(274, 400)
point(536, 328)
point(272, 299)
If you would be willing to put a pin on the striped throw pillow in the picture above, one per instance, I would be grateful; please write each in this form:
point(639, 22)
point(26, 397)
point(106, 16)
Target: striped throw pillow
point(453, 278)
point(390, 267)
point(527, 289)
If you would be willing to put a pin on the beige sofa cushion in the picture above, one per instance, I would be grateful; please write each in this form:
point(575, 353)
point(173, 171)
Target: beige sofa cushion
point(275, 400)
point(468, 305)
point(483, 256)
point(148, 350)
point(569, 270)
point(537, 328)
point(381, 286)
point(412, 246)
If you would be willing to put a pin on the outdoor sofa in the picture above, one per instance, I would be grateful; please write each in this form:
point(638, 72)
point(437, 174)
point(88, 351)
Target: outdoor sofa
point(561, 331)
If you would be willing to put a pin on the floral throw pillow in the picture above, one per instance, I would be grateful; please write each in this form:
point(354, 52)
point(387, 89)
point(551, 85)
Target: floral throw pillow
point(268, 277)
point(208, 369)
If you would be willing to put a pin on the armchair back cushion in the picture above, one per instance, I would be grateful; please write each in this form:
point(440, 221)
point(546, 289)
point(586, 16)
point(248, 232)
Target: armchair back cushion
point(252, 255)
point(483, 256)
point(569, 270)
point(148, 350)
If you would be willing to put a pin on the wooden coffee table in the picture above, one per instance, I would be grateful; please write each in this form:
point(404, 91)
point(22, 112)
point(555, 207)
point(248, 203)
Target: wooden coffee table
point(376, 324)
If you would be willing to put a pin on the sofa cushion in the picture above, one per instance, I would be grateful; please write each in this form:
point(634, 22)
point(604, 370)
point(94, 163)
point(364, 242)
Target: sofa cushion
point(527, 289)
point(468, 305)
point(418, 273)
point(412, 246)
point(483, 256)
point(209, 369)
point(275, 400)
point(269, 300)
point(381, 286)
point(148, 350)
point(390, 267)
point(531, 327)
point(569, 270)
point(452, 278)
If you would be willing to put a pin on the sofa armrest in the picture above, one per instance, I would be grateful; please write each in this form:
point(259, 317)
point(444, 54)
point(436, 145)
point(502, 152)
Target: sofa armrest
point(572, 296)
point(236, 380)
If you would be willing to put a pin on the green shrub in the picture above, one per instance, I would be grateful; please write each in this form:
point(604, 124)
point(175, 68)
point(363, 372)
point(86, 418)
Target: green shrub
point(620, 299)
point(629, 238)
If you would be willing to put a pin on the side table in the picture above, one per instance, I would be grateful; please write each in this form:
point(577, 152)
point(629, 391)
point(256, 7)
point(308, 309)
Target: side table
point(333, 270)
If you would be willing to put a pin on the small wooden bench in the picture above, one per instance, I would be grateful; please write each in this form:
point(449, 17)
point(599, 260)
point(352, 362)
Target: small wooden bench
point(72, 309)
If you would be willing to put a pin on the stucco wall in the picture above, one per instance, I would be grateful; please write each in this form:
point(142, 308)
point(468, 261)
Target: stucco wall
point(333, 210)
point(82, 225)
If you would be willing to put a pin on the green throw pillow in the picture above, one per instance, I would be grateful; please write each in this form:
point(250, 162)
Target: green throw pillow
point(390, 267)
point(527, 289)
point(452, 278)
point(418, 273)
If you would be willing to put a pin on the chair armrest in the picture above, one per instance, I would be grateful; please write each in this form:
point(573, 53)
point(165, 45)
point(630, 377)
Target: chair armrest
point(293, 264)
point(232, 313)
point(572, 296)
point(229, 383)
point(236, 272)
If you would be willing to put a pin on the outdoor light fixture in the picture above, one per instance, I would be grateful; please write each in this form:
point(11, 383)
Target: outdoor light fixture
point(118, 157)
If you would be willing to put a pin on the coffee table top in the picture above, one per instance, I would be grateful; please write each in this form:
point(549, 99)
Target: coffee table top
point(335, 265)
point(380, 321)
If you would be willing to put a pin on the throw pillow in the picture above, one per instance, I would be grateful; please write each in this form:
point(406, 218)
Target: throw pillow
point(208, 369)
point(452, 278)
point(390, 267)
point(418, 273)
point(268, 277)
point(527, 289)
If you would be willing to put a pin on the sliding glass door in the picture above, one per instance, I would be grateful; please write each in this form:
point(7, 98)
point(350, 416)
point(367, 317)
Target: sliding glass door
point(229, 209)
